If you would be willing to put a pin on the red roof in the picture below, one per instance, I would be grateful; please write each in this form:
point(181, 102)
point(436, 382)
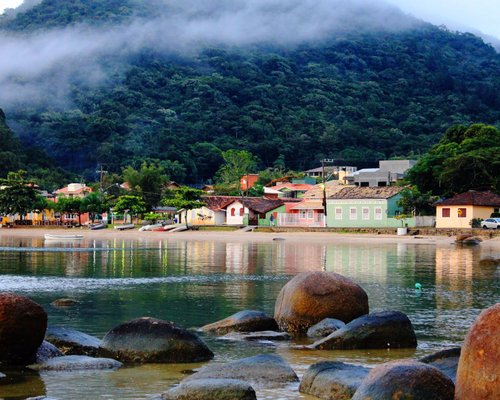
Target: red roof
point(258, 204)
point(216, 203)
point(488, 199)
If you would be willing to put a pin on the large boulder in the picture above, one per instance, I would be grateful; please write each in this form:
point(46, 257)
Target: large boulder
point(332, 380)
point(312, 296)
point(76, 363)
point(405, 379)
point(72, 342)
point(385, 329)
point(446, 361)
point(150, 340)
point(478, 374)
point(243, 321)
point(325, 327)
point(261, 371)
point(22, 328)
point(211, 389)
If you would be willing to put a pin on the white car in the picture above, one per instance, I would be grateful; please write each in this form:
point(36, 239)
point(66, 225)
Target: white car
point(491, 223)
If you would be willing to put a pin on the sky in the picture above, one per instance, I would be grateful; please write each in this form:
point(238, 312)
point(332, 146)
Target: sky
point(482, 15)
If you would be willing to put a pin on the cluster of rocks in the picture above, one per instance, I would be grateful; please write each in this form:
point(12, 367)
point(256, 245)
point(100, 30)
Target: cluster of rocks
point(328, 308)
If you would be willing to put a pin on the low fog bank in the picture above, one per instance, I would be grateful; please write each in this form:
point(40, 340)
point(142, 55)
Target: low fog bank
point(40, 67)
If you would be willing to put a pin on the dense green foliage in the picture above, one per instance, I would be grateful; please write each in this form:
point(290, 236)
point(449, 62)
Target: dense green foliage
point(184, 198)
point(18, 194)
point(466, 158)
point(148, 182)
point(357, 97)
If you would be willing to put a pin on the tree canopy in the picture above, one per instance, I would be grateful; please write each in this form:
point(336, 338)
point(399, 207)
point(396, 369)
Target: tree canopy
point(18, 194)
point(467, 157)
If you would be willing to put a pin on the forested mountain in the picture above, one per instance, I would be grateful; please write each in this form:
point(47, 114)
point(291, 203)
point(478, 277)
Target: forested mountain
point(352, 94)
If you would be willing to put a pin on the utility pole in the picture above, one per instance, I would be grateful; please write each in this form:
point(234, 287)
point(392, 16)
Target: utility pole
point(325, 160)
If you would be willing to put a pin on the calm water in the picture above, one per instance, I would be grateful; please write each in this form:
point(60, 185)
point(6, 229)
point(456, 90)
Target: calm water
point(197, 282)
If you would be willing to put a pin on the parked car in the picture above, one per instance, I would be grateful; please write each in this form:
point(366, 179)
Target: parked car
point(491, 223)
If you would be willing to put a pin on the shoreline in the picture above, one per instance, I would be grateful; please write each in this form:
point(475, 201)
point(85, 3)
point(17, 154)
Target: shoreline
point(324, 237)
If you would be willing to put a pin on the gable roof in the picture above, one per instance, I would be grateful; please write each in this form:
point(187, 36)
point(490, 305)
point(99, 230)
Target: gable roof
point(356, 192)
point(216, 203)
point(258, 204)
point(488, 199)
point(292, 186)
point(316, 192)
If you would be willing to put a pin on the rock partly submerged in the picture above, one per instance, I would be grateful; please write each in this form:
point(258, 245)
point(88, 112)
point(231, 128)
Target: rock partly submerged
point(310, 297)
point(446, 361)
point(243, 321)
point(385, 329)
point(332, 380)
point(151, 340)
point(405, 379)
point(211, 389)
point(47, 351)
point(72, 342)
point(76, 363)
point(261, 371)
point(325, 327)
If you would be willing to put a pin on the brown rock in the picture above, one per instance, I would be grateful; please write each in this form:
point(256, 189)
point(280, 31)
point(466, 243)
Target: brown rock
point(312, 296)
point(405, 379)
point(22, 329)
point(478, 374)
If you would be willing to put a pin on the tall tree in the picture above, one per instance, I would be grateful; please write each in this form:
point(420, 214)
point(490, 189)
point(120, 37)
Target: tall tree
point(70, 205)
point(148, 182)
point(17, 194)
point(133, 205)
point(94, 203)
point(184, 198)
point(236, 164)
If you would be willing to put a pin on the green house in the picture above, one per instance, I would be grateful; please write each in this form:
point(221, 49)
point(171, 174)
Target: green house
point(366, 207)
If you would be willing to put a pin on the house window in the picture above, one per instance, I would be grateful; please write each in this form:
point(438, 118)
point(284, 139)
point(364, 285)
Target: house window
point(366, 213)
point(378, 213)
point(302, 214)
point(462, 213)
point(353, 213)
point(310, 214)
point(233, 212)
point(338, 213)
point(241, 212)
point(445, 213)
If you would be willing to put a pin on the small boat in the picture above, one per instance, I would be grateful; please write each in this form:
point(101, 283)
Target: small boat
point(94, 227)
point(125, 226)
point(62, 237)
point(151, 227)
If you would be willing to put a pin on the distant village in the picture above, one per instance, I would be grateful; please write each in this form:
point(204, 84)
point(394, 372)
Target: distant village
point(339, 196)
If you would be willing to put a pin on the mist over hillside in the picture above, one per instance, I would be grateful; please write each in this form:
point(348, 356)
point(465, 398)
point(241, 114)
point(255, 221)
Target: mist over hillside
point(124, 81)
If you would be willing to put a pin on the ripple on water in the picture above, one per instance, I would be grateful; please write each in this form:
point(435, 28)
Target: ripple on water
point(26, 284)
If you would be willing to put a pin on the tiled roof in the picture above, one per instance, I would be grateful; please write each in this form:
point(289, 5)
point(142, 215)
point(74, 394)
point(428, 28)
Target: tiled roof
point(309, 205)
point(216, 203)
point(472, 198)
point(259, 204)
point(292, 186)
point(356, 192)
point(316, 192)
point(65, 190)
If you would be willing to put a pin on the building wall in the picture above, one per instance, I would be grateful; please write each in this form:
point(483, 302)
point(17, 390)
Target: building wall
point(267, 221)
point(459, 221)
point(239, 216)
point(365, 213)
point(205, 216)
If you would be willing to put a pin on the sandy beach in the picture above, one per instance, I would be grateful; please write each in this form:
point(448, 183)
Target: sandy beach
point(306, 237)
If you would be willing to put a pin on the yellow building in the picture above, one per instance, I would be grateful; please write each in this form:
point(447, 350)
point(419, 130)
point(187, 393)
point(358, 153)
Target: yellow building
point(458, 211)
